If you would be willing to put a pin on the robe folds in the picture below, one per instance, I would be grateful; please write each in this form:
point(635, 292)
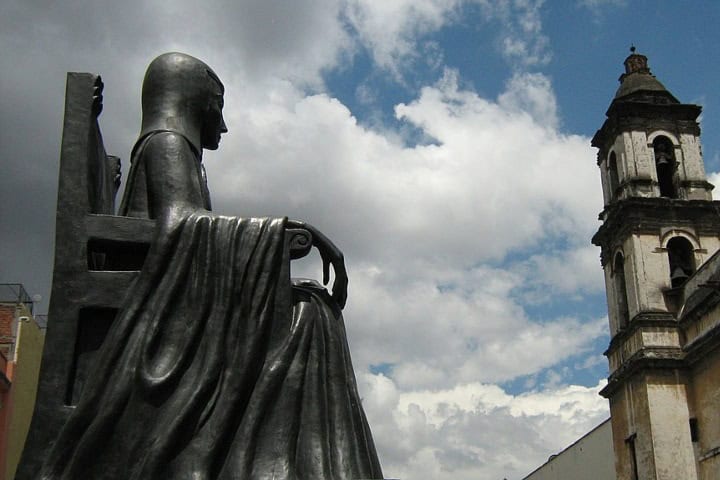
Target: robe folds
point(205, 375)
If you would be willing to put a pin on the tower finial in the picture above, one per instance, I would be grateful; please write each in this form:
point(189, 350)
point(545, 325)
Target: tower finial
point(636, 63)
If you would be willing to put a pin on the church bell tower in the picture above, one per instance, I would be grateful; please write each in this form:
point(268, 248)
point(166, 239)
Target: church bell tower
point(659, 224)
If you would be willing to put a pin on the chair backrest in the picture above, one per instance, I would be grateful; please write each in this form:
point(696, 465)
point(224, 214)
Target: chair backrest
point(97, 256)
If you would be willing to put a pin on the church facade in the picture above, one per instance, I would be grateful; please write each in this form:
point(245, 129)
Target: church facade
point(660, 242)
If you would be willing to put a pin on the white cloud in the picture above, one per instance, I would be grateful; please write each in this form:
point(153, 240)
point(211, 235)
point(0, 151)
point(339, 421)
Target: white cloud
point(391, 29)
point(572, 270)
point(292, 40)
point(427, 230)
point(523, 44)
point(531, 94)
point(418, 224)
point(475, 430)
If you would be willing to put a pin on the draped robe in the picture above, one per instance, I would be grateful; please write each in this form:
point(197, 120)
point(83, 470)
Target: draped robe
point(204, 375)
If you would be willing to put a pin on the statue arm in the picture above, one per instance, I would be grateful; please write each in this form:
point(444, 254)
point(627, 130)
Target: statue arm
point(174, 188)
point(331, 255)
point(173, 180)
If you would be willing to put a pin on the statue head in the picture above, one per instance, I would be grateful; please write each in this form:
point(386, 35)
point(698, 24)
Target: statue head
point(182, 94)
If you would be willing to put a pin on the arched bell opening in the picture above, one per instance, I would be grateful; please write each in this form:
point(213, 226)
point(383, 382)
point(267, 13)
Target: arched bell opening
point(665, 166)
point(621, 290)
point(681, 259)
point(613, 176)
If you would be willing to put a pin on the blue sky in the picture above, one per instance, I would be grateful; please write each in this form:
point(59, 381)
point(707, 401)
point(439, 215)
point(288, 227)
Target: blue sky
point(443, 144)
point(587, 43)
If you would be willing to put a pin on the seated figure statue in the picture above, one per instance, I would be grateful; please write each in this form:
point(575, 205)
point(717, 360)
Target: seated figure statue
point(207, 373)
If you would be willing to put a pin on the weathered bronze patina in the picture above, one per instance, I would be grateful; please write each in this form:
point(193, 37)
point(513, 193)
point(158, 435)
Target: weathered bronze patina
point(213, 364)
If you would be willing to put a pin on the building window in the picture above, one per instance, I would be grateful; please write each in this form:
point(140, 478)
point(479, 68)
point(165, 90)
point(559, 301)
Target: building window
point(614, 178)
point(621, 291)
point(665, 165)
point(682, 260)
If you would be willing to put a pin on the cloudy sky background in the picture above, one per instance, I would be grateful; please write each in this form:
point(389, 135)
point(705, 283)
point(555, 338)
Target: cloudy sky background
point(443, 144)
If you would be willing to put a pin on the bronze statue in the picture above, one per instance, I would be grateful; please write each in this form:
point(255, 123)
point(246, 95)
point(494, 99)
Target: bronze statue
point(215, 367)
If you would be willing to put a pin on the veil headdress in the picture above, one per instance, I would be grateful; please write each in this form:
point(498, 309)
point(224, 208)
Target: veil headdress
point(176, 93)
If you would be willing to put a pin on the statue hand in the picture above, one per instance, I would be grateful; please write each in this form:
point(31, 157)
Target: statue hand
point(331, 255)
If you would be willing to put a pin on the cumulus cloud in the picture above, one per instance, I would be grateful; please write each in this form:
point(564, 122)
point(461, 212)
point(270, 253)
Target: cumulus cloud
point(563, 271)
point(448, 243)
point(523, 43)
point(422, 227)
point(256, 46)
point(392, 31)
point(475, 430)
point(531, 94)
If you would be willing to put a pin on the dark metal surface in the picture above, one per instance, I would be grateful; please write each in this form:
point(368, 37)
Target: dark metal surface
point(177, 345)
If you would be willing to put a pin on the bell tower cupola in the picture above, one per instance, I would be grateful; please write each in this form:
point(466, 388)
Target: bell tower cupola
point(649, 145)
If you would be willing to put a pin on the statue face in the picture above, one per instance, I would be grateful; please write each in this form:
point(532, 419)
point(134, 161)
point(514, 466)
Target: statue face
point(213, 123)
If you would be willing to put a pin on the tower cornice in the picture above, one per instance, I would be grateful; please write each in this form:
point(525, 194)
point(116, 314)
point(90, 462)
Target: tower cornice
point(640, 116)
point(649, 215)
point(648, 359)
point(643, 320)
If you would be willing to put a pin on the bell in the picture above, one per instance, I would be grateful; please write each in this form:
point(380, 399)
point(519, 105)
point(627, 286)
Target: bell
point(678, 277)
point(662, 160)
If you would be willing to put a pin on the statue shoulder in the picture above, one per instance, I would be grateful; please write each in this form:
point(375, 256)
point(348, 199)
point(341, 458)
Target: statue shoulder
point(173, 172)
point(166, 144)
